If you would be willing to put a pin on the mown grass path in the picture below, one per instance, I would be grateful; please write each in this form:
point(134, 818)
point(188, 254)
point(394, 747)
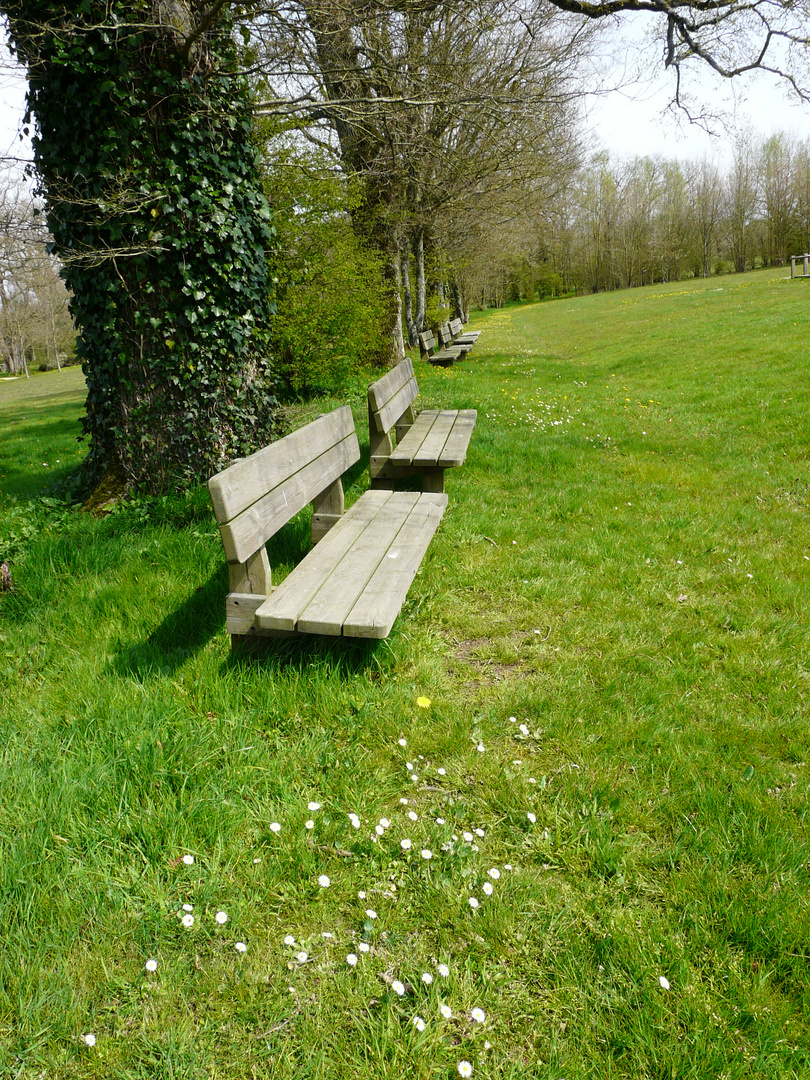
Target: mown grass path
point(609, 640)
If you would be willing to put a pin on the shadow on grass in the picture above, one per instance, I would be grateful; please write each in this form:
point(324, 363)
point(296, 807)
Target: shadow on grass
point(184, 632)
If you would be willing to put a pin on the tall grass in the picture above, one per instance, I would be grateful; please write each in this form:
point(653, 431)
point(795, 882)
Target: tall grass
point(610, 630)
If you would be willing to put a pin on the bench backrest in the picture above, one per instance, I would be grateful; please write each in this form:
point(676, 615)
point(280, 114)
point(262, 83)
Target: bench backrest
point(390, 396)
point(446, 335)
point(456, 327)
point(427, 342)
point(255, 497)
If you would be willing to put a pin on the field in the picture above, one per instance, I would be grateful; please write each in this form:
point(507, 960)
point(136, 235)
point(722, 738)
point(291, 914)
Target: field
point(555, 826)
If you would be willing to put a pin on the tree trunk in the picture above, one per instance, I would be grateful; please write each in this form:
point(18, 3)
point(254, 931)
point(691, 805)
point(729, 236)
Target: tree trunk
point(407, 299)
point(144, 153)
point(418, 245)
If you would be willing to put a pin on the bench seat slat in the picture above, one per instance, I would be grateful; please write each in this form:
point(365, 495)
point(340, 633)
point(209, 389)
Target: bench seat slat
point(282, 608)
point(318, 595)
point(455, 449)
point(434, 442)
point(374, 613)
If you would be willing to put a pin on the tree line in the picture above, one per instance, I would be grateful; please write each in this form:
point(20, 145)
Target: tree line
point(623, 223)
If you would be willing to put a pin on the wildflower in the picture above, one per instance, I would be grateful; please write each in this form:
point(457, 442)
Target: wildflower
point(324, 881)
point(371, 913)
point(468, 836)
point(478, 1015)
point(256, 861)
point(443, 970)
point(89, 1039)
point(507, 866)
point(402, 742)
point(532, 817)
point(473, 903)
point(379, 830)
point(275, 827)
point(289, 940)
point(479, 832)
point(313, 806)
point(427, 978)
point(464, 1068)
point(151, 965)
point(419, 1023)
point(423, 702)
point(441, 771)
point(364, 946)
point(187, 921)
point(524, 729)
point(494, 873)
point(188, 907)
point(664, 982)
point(414, 778)
point(480, 748)
point(240, 946)
point(301, 957)
point(386, 824)
point(405, 844)
point(427, 854)
point(487, 1044)
point(189, 861)
point(221, 917)
point(398, 987)
point(512, 719)
point(487, 887)
point(409, 766)
point(309, 824)
point(351, 960)
point(446, 1011)
point(412, 814)
point(404, 801)
point(355, 820)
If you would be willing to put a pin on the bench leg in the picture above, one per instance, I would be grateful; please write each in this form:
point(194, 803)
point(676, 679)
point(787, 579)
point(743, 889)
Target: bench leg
point(433, 480)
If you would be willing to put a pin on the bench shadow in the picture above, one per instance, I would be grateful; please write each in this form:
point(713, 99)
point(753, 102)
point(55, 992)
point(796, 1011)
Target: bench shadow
point(180, 635)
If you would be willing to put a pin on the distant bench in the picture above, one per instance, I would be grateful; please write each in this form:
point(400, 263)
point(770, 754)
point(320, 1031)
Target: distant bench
point(435, 353)
point(355, 580)
point(427, 444)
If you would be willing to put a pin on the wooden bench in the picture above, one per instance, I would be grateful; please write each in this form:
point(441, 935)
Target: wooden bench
point(449, 342)
point(462, 336)
point(428, 346)
point(427, 444)
point(355, 580)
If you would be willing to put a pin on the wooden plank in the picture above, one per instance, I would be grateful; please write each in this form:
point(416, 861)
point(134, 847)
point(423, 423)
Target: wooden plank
point(373, 615)
point(282, 610)
point(455, 449)
point(404, 452)
point(390, 412)
point(254, 527)
point(390, 384)
point(240, 611)
point(328, 609)
point(430, 452)
point(239, 486)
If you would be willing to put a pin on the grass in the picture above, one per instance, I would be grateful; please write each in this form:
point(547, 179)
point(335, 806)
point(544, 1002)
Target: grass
point(611, 629)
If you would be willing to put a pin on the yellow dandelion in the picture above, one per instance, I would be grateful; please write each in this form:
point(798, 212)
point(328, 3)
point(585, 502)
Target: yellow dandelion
point(423, 702)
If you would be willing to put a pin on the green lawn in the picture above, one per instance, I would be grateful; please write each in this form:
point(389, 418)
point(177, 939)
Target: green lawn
point(611, 631)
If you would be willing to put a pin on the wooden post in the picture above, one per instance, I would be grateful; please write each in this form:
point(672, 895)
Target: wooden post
point(806, 259)
point(793, 266)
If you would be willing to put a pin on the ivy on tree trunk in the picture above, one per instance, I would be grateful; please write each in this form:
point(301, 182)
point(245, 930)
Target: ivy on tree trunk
point(143, 146)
